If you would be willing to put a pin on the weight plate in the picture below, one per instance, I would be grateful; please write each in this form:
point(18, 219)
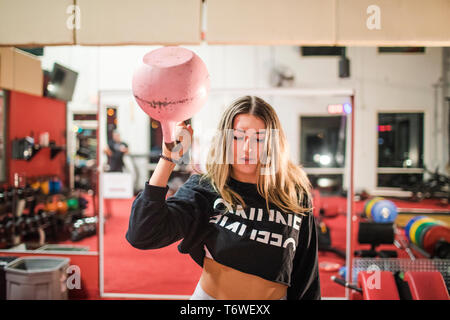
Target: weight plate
point(433, 235)
point(415, 225)
point(421, 230)
point(410, 222)
point(369, 205)
point(384, 211)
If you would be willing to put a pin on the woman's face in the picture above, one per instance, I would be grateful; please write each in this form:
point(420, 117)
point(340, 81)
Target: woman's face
point(248, 143)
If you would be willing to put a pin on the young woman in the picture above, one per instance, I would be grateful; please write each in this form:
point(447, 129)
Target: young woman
point(247, 221)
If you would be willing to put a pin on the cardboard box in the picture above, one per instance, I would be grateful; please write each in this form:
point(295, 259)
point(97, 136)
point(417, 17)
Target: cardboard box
point(20, 71)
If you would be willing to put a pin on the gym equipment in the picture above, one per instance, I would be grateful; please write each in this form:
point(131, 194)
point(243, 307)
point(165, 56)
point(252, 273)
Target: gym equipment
point(368, 206)
point(51, 206)
point(32, 213)
point(61, 206)
point(342, 282)
point(82, 203)
point(408, 225)
point(72, 203)
point(45, 187)
point(171, 85)
point(442, 249)
point(372, 286)
point(23, 149)
point(402, 244)
point(343, 272)
point(386, 279)
point(380, 210)
point(421, 231)
point(414, 226)
point(324, 236)
point(375, 234)
point(425, 233)
point(83, 228)
point(385, 289)
point(426, 285)
point(433, 236)
point(437, 187)
point(36, 185)
point(384, 211)
point(55, 186)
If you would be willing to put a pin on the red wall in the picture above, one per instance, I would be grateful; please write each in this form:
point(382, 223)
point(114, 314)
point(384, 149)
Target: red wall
point(29, 113)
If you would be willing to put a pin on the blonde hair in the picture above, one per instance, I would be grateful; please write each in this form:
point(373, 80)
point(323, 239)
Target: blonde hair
point(286, 187)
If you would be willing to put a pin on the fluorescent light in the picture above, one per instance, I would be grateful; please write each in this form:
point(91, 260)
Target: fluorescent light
point(325, 160)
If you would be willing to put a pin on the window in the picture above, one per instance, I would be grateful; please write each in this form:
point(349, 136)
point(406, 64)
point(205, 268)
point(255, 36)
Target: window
point(322, 51)
point(328, 184)
point(401, 49)
point(323, 141)
point(322, 151)
point(400, 149)
point(400, 140)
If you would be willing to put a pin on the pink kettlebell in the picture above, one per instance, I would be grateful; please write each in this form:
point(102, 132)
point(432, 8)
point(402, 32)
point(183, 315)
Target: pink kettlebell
point(171, 85)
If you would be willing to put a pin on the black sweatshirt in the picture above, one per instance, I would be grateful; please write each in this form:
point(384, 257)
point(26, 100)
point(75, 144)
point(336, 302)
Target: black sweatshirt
point(275, 245)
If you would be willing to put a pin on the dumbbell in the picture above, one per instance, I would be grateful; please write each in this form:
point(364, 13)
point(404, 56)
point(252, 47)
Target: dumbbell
point(21, 226)
point(44, 217)
point(9, 227)
point(61, 206)
point(55, 186)
point(72, 203)
point(83, 228)
point(82, 203)
point(32, 224)
point(50, 206)
point(45, 187)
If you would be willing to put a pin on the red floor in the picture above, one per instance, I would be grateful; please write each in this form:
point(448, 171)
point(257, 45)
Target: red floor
point(129, 270)
point(166, 271)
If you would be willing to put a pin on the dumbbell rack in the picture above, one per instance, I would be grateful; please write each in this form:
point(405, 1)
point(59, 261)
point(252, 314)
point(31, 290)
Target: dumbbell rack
point(36, 225)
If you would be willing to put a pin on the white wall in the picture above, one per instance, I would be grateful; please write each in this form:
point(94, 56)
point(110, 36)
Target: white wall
point(382, 83)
